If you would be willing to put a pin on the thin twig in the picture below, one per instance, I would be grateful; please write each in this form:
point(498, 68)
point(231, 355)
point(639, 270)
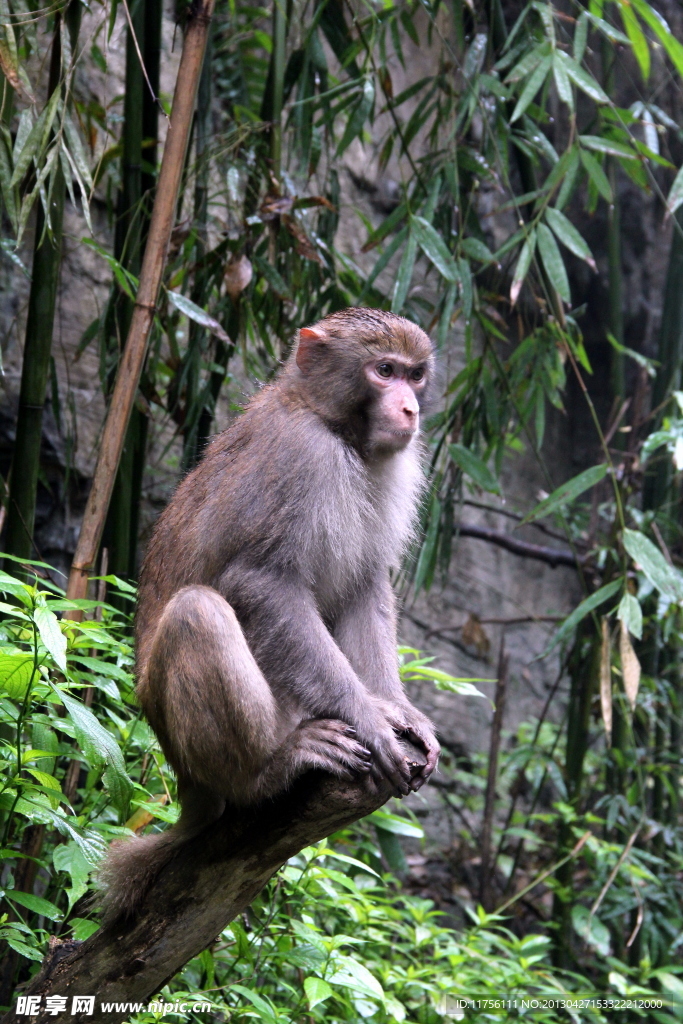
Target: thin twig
point(615, 871)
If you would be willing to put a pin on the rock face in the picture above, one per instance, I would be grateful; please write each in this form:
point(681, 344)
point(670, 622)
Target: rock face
point(490, 592)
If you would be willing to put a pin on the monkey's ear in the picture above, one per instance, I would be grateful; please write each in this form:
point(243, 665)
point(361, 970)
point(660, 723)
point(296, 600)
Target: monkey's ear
point(311, 341)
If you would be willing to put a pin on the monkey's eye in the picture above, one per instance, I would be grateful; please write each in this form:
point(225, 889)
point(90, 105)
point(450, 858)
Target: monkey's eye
point(417, 374)
point(385, 369)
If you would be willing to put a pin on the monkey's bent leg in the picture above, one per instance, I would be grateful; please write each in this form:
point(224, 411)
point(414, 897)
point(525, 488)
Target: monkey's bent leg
point(206, 697)
point(215, 713)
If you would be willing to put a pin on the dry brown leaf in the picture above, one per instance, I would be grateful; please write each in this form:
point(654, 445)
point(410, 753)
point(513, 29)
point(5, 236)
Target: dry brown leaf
point(474, 634)
point(630, 666)
point(606, 681)
point(8, 66)
point(238, 275)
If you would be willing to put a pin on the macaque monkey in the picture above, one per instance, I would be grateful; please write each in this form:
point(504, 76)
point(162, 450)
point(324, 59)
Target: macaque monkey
point(266, 624)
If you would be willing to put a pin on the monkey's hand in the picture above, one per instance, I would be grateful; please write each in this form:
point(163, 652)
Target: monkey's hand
point(407, 721)
point(378, 733)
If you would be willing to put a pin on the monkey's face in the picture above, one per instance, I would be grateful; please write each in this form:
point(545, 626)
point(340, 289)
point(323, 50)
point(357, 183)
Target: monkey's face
point(396, 385)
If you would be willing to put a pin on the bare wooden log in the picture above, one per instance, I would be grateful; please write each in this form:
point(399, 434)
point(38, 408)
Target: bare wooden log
point(211, 880)
point(132, 360)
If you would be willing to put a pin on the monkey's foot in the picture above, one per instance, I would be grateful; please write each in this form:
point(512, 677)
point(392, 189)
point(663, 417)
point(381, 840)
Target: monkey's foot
point(331, 745)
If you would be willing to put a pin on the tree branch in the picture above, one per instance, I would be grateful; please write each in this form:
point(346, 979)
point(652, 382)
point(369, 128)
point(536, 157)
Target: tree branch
point(553, 556)
point(211, 880)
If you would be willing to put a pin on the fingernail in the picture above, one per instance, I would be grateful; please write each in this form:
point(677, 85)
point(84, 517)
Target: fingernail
point(350, 731)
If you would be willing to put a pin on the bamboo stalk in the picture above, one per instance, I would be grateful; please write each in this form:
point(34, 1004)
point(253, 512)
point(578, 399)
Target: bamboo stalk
point(490, 799)
point(130, 367)
point(47, 262)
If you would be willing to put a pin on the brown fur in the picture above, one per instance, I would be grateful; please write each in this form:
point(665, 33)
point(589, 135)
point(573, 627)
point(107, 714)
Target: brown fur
point(266, 632)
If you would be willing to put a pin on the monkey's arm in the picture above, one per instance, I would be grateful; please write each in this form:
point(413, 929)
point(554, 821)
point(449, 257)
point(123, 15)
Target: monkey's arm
point(366, 633)
point(303, 664)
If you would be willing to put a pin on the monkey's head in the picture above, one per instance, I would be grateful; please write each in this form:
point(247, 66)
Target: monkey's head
point(367, 374)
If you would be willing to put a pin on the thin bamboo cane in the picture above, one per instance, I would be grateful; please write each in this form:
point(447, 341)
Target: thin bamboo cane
point(163, 216)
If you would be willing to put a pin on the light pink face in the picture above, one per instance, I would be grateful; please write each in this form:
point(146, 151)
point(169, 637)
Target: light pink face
point(397, 384)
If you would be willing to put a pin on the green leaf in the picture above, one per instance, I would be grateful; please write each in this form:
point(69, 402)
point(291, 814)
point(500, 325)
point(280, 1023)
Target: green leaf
point(275, 281)
point(476, 250)
point(51, 635)
point(393, 823)
point(631, 614)
point(676, 194)
point(609, 146)
point(582, 79)
point(466, 288)
point(196, 313)
point(597, 175)
point(77, 151)
point(567, 492)
point(562, 84)
point(317, 991)
point(405, 274)
point(434, 248)
point(531, 88)
point(584, 609)
point(35, 903)
point(473, 467)
point(553, 262)
point(636, 38)
point(352, 974)
point(16, 673)
point(569, 236)
point(591, 929)
point(99, 747)
point(523, 264)
point(580, 37)
point(656, 22)
point(667, 580)
point(528, 63)
point(36, 138)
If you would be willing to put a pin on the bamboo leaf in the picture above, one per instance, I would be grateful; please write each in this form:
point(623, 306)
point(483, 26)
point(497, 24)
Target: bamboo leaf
point(474, 468)
point(656, 22)
point(636, 38)
point(528, 63)
point(582, 79)
point(273, 278)
point(434, 248)
point(405, 274)
point(597, 175)
point(466, 288)
point(6, 185)
point(609, 146)
point(562, 84)
point(630, 613)
point(476, 250)
point(523, 264)
point(676, 194)
point(200, 316)
point(569, 236)
point(531, 88)
point(630, 666)
point(76, 150)
point(606, 681)
point(567, 492)
point(36, 139)
point(667, 580)
point(553, 262)
point(580, 37)
point(588, 605)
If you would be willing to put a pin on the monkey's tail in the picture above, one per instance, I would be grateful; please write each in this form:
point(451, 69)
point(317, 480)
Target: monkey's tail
point(131, 866)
